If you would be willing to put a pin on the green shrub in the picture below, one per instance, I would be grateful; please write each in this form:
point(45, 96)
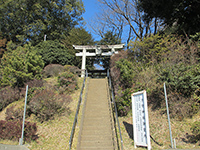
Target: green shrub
point(33, 87)
point(68, 81)
point(14, 113)
point(46, 103)
point(8, 95)
point(35, 83)
point(72, 69)
point(182, 82)
point(150, 63)
point(52, 70)
point(127, 73)
point(181, 78)
point(196, 128)
point(196, 131)
point(123, 101)
point(196, 101)
point(150, 49)
point(122, 73)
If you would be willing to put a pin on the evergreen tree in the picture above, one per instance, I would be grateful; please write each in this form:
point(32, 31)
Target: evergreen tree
point(53, 52)
point(20, 66)
point(31, 20)
point(108, 39)
point(78, 36)
point(183, 15)
point(3, 42)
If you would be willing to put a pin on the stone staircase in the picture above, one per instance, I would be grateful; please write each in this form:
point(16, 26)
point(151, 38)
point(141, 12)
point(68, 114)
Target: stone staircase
point(96, 125)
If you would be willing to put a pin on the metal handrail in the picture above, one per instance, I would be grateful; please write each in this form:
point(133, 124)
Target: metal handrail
point(77, 111)
point(113, 101)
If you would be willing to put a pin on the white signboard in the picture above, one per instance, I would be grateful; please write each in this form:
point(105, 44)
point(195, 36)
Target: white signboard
point(140, 120)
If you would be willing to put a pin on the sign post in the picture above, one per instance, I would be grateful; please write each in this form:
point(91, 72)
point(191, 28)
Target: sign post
point(21, 139)
point(170, 131)
point(140, 120)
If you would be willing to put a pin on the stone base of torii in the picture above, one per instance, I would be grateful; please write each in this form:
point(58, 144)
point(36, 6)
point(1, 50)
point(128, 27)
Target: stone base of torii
point(97, 50)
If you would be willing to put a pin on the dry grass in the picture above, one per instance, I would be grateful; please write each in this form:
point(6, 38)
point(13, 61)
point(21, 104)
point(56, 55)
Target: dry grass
point(53, 134)
point(16, 104)
point(159, 131)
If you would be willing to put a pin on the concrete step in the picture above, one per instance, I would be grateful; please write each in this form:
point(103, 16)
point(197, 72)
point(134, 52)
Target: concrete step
point(96, 148)
point(96, 133)
point(91, 124)
point(96, 143)
point(97, 104)
point(95, 137)
point(95, 117)
point(98, 111)
point(97, 114)
point(97, 121)
point(93, 127)
point(88, 121)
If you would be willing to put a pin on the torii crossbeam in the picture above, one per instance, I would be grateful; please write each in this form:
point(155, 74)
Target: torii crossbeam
point(100, 50)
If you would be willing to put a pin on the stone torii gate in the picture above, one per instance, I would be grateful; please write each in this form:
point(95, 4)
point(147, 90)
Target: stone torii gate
point(95, 50)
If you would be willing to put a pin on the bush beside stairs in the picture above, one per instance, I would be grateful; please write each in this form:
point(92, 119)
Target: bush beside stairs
point(96, 127)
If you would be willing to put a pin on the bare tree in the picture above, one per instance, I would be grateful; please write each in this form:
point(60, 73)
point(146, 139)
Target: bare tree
point(106, 21)
point(119, 15)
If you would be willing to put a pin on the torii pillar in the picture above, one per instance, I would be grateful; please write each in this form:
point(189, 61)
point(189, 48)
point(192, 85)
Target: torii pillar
point(100, 50)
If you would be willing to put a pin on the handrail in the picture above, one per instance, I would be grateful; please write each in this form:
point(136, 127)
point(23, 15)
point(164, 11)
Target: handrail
point(77, 111)
point(113, 101)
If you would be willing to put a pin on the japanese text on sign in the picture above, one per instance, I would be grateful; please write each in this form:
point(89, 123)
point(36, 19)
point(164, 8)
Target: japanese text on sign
point(140, 119)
